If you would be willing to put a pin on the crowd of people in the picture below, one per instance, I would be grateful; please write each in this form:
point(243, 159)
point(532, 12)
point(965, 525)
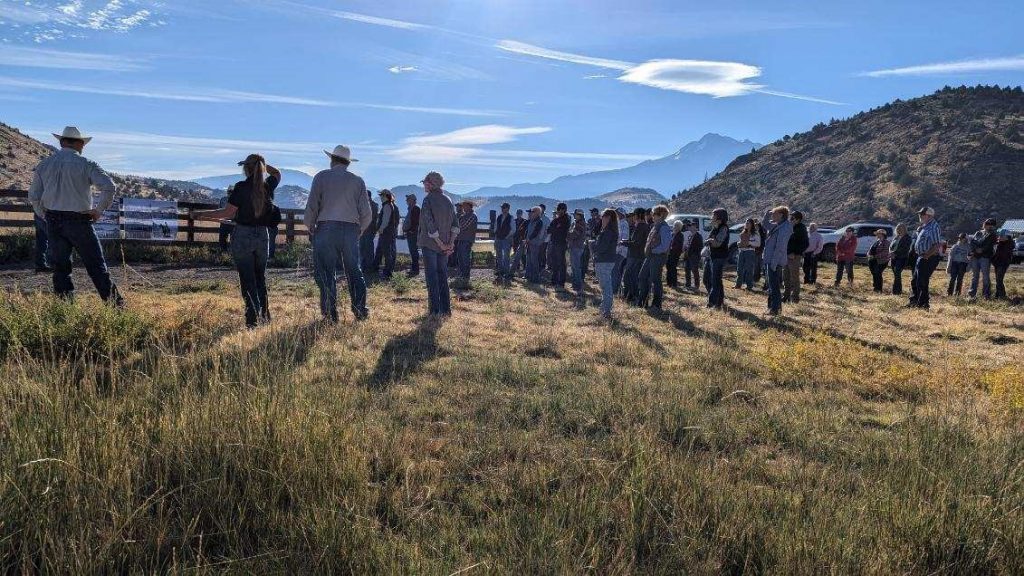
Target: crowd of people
point(634, 254)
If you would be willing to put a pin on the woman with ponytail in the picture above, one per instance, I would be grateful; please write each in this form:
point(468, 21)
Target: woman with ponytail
point(251, 206)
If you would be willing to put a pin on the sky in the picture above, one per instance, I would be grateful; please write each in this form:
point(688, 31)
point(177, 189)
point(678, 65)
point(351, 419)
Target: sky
point(488, 92)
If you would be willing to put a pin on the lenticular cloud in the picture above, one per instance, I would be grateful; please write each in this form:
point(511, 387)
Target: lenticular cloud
point(718, 79)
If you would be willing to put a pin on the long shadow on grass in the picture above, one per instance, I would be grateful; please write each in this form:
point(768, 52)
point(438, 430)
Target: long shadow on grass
point(278, 353)
point(684, 325)
point(404, 354)
point(778, 323)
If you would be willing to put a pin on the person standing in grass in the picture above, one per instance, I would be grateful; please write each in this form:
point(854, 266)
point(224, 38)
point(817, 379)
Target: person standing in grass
point(815, 244)
point(606, 258)
point(957, 260)
point(250, 205)
point(746, 260)
point(546, 221)
point(635, 256)
point(693, 246)
point(759, 253)
point(534, 245)
point(338, 214)
point(593, 229)
point(504, 231)
point(558, 238)
point(901, 247)
point(659, 241)
point(61, 194)
point(927, 246)
point(1002, 256)
point(368, 237)
point(798, 244)
point(519, 244)
point(439, 228)
point(675, 251)
point(718, 244)
point(982, 248)
point(776, 246)
point(621, 251)
point(577, 239)
point(387, 232)
point(846, 253)
point(411, 228)
point(468, 223)
point(878, 259)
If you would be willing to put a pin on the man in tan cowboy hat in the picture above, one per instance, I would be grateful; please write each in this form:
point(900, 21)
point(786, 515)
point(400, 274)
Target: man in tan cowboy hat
point(337, 212)
point(61, 192)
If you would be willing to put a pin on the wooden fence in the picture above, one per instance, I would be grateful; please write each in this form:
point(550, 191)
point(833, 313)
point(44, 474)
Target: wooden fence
point(15, 212)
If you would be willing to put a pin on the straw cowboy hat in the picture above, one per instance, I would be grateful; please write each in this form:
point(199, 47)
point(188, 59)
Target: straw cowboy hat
point(342, 152)
point(72, 133)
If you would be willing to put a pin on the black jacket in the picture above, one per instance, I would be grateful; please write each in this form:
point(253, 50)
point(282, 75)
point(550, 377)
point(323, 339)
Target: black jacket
point(799, 241)
point(559, 229)
point(637, 242)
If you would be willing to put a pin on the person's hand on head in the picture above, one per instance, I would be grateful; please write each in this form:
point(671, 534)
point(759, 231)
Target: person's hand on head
point(95, 214)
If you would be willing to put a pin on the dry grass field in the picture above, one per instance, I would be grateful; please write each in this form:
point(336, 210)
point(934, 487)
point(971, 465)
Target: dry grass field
point(520, 436)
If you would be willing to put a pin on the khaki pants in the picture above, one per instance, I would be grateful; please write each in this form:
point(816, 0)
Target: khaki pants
point(791, 277)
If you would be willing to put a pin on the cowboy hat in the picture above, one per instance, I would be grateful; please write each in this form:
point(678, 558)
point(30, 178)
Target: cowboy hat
point(72, 133)
point(341, 151)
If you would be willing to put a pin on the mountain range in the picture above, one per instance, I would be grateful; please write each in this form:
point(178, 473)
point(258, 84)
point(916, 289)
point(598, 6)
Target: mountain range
point(689, 165)
point(288, 178)
point(959, 151)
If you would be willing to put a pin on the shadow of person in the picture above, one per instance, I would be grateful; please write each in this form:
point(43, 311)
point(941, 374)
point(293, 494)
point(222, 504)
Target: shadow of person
point(404, 354)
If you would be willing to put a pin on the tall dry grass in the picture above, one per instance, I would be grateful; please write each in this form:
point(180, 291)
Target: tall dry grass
point(521, 436)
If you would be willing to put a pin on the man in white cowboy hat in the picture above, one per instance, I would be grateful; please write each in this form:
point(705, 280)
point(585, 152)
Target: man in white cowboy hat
point(61, 192)
point(337, 212)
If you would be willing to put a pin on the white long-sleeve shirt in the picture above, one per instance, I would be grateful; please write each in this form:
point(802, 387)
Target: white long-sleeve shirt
point(64, 182)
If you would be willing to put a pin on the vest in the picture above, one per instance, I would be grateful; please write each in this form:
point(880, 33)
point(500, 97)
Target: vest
point(504, 227)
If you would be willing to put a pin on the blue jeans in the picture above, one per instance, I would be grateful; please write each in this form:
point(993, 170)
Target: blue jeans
point(519, 257)
point(533, 255)
point(503, 257)
point(650, 280)
point(691, 270)
point(606, 278)
point(334, 244)
point(898, 264)
point(414, 252)
point(273, 232)
point(716, 290)
point(385, 254)
point(980, 267)
point(556, 261)
point(435, 267)
point(70, 231)
point(844, 267)
point(617, 273)
point(250, 249)
point(922, 275)
point(631, 277)
point(42, 244)
point(366, 251)
point(956, 278)
point(578, 270)
point(464, 257)
point(774, 278)
point(745, 266)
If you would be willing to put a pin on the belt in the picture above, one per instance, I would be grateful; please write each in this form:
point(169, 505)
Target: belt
point(65, 216)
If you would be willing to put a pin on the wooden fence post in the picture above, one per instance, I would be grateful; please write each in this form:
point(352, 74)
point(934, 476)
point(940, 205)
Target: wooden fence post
point(289, 227)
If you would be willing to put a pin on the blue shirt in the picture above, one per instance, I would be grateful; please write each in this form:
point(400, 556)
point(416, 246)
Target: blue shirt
point(927, 236)
point(776, 244)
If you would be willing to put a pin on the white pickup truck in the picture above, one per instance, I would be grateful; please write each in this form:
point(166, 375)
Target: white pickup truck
point(704, 221)
point(865, 232)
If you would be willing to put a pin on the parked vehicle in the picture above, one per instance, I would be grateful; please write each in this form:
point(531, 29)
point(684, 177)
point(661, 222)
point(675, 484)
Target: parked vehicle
point(865, 238)
point(1018, 250)
point(705, 229)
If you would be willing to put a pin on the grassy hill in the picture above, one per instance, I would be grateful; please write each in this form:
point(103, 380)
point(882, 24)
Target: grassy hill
point(960, 150)
point(521, 436)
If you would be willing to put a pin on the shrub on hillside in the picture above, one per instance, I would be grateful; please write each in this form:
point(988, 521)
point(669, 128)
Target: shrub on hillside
point(17, 247)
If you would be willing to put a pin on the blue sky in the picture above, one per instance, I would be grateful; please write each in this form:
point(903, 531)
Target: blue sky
point(489, 92)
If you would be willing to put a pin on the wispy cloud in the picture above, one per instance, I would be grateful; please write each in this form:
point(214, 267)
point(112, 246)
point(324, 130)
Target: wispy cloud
point(469, 147)
point(531, 50)
point(1008, 64)
point(402, 69)
point(477, 135)
point(595, 76)
point(710, 78)
point(45, 58)
point(219, 96)
point(377, 21)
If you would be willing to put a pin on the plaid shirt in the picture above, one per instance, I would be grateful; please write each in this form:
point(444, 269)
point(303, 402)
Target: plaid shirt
point(927, 236)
